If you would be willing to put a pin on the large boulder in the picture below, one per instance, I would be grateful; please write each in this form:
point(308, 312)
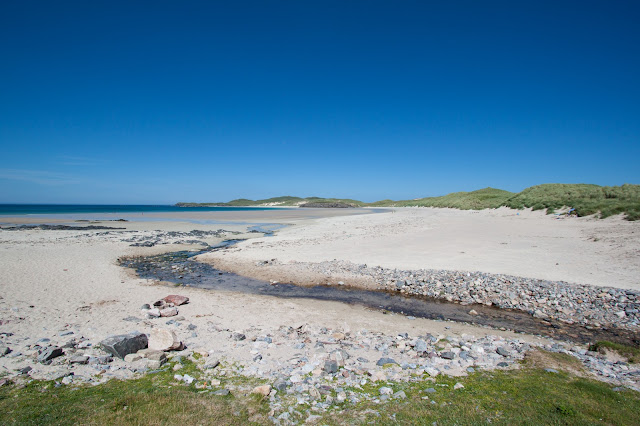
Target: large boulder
point(124, 344)
point(163, 339)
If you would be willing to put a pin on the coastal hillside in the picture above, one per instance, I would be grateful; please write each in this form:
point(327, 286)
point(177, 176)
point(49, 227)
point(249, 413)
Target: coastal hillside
point(586, 199)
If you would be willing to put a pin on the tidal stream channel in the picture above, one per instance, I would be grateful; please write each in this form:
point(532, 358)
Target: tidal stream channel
point(181, 268)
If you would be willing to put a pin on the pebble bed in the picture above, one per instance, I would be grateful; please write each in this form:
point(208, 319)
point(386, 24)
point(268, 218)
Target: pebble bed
point(572, 303)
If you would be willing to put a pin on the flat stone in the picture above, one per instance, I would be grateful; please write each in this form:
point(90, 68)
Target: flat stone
point(447, 355)
point(211, 363)
point(177, 300)
point(383, 361)
point(420, 346)
point(458, 386)
point(400, 395)
point(162, 339)
point(262, 390)
point(157, 356)
point(221, 392)
point(551, 370)
point(50, 353)
point(124, 344)
point(385, 390)
point(169, 312)
point(503, 351)
point(79, 359)
point(330, 367)
point(132, 357)
point(4, 350)
point(154, 364)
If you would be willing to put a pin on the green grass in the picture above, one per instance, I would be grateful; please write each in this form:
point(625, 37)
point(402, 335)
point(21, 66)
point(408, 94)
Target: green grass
point(529, 395)
point(630, 352)
point(152, 399)
point(586, 199)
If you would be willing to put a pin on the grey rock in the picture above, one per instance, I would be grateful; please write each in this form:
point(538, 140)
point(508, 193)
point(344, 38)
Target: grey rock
point(383, 361)
point(25, 370)
point(49, 354)
point(447, 355)
point(400, 395)
point(238, 336)
point(430, 390)
point(420, 346)
point(330, 367)
point(79, 359)
point(551, 370)
point(503, 351)
point(65, 333)
point(221, 392)
point(124, 344)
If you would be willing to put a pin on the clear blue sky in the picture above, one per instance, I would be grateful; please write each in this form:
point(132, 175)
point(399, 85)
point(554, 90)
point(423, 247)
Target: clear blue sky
point(159, 102)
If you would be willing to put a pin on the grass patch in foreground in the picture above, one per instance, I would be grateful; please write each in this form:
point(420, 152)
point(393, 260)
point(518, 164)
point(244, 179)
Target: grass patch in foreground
point(524, 396)
point(152, 399)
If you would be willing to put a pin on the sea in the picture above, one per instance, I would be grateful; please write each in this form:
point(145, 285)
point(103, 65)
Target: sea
point(47, 209)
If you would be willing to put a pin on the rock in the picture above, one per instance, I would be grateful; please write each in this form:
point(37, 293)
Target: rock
point(79, 359)
point(430, 390)
point(262, 390)
point(211, 363)
point(146, 306)
point(25, 370)
point(169, 312)
point(473, 312)
point(330, 367)
point(400, 395)
point(157, 356)
point(503, 351)
point(222, 392)
point(238, 337)
point(383, 361)
point(280, 384)
point(621, 314)
point(447, 355)
point(153, 364)
point(49, 354)
point(132, 357)
point(551, 370)
point(433, 372)
point(176, 299)
point(338, 336)
point(152, 313)
point(458, 386)
point(420, 346)
point(187, 379)
point(4, 350)
point(162, 339)
point(385, 390)
point(124, 344)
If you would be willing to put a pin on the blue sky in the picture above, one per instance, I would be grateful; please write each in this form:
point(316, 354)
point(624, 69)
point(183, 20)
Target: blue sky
point(160, 102)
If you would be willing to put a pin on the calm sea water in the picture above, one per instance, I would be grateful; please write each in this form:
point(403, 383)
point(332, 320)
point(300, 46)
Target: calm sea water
point(32, 209)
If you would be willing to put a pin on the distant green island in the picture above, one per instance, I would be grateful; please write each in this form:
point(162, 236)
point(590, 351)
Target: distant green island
point(585, 199)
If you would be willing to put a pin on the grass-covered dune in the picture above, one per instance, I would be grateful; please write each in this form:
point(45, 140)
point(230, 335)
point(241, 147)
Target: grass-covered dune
point(584, 198)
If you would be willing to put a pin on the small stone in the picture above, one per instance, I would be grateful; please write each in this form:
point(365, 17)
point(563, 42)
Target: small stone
point(503, 351)
point(238, 336)
point(382, 361)
point(25, 370)
point(169, 312)
point(263, 390)
point(211, 363)
point(222, 392)
point(330, 367)
point(177, 300)
point(49, 354)
point(187, 379)
point(385, 390)
point(400, 395)
point(132, 357)
point(420, 346)
point(152, 313)
point(146, 307)
point(430, 390)
point(551, 370)
point(458, 386)
point(473, 312)
point(433, 372)
point(447, 355)
point(79, 359)
point(153, 364)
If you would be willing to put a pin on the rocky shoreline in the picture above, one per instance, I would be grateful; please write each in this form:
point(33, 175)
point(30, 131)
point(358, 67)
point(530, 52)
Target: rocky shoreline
point(591, 306)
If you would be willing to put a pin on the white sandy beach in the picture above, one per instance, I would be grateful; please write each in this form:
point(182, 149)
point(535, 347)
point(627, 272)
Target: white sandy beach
point(57, 281)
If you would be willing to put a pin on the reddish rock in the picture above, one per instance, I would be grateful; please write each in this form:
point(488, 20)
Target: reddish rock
point(177, 300)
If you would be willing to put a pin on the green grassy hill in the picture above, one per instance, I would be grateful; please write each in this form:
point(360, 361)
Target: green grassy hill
point(585, 199)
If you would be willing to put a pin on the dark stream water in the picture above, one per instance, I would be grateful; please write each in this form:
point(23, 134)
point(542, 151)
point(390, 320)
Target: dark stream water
point(181, 268)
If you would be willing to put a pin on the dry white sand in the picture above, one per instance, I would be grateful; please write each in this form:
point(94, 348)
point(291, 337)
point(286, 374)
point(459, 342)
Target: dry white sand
point(522, 243)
